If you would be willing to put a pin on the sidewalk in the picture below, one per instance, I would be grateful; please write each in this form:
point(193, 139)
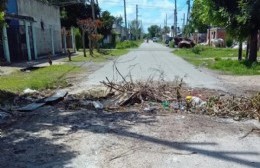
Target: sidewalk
point(41, 62)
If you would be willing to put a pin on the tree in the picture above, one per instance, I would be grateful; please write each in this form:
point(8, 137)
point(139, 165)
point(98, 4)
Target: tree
point(89, 26)
point(119, 21)
point(2, 9)
point(2, 19)
point(165, 30)
point(71, 13)
point(241, 18)
point(135, 29)
point(154, 30)
point(107, 23)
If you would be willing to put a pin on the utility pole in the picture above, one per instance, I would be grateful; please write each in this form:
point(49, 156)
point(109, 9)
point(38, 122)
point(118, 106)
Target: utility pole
point(175, 19)
point(183, 25)
point(188, 13)
point(93, 10)
point(126, 32)
point(136, 22)
point(166, 21)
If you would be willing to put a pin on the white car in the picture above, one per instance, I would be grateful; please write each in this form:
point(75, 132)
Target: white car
point(155, 39)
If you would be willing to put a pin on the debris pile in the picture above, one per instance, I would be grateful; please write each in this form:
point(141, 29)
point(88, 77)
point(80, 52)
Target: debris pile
point(236, 107)
point(130, 93)
point(154, 96)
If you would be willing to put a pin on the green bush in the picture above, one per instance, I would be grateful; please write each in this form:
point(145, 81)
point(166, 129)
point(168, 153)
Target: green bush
point(197, 49)
point(127, 44)
point(218, 59)
point(78, 41)
point(229, 42)
point(171, 44)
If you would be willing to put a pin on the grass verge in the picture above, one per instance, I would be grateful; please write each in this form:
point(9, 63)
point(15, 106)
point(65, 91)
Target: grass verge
point(99, 56)
point(221, 59)
point(43, 78)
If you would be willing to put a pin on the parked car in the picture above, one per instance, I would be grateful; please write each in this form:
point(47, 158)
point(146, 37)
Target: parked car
point(183, 42)
point(155, 39)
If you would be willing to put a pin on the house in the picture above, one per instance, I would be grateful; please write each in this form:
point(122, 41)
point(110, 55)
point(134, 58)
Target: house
point(216, 33)
point(199, 37)
point(33, 30)
point(120, 31)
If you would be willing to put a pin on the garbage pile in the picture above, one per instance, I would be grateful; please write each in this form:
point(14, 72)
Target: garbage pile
point(156, 96)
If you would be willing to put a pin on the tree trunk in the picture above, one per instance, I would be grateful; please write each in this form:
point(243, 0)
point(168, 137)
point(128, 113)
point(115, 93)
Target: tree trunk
point(83, 43)
point(240, 51)
point(247, 47)
point(253, 46)
point(90, 44)
point(258, 41)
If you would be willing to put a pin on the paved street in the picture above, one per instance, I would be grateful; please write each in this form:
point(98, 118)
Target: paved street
point(57, 137)
point(151, 60)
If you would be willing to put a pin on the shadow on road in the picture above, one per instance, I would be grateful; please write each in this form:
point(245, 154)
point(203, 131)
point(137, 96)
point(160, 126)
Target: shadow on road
point(33, 140)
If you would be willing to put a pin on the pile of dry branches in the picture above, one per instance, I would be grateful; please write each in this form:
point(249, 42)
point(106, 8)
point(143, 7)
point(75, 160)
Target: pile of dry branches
point(127, 93)
point(237, 107)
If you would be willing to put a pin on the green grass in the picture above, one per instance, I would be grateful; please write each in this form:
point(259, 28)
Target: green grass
point(235, 67)
point(221, 59)
point(99, 57)
point(43, 78)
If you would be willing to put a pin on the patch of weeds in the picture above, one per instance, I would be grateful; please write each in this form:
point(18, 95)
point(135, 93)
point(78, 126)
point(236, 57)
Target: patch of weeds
point(171, 44)
point(128, 44)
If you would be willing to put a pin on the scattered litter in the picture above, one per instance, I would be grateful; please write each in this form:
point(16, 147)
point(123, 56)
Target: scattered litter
point(177, 106)
point(98, 105)
point(195, 101)
point(58, 96)
point(31, 107)
point(55, 98)
point(165, 104)
point(28, 91)
point(150, 109)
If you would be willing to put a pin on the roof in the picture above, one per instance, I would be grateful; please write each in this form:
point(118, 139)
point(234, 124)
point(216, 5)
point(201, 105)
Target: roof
point(19, 17)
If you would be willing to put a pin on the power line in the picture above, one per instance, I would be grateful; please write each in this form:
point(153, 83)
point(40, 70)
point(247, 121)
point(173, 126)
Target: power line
point(142, 6)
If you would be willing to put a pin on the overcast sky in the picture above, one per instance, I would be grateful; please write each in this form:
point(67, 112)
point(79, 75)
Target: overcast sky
point(150, 11)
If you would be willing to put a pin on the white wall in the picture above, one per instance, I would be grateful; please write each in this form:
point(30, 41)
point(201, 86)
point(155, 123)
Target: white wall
point(50, 16)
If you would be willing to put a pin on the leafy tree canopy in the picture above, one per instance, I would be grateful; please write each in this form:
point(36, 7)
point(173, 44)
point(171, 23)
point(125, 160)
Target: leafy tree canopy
point(241, 18)
point(2, 9)
point(107, 23)
point(154, 30)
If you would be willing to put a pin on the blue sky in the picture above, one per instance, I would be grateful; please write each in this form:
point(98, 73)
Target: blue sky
point(150, 11)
